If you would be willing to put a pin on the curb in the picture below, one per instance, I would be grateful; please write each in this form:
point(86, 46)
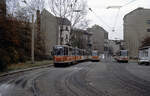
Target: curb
point(24, 70)
point(133, 61)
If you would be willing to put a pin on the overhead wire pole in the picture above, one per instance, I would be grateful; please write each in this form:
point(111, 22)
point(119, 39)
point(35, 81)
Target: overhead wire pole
point(32, 36)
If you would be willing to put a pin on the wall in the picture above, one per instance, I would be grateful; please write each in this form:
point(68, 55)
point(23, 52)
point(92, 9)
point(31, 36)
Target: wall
point(49, 29)
point(98, 37)
point(135, 29)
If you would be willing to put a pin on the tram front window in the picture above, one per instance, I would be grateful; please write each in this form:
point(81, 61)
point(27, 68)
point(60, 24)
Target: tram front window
point(58, 51)
point(94, 53)
point(124, 53)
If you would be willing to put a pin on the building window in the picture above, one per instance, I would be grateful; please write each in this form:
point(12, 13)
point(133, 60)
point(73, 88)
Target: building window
point(67, 29)
point(67, 37)
point(148, 30)
point(148, 22)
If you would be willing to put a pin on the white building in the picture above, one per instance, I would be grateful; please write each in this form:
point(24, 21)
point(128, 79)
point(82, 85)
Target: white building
point(64, 26)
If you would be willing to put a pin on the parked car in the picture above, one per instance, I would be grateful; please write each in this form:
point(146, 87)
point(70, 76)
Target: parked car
point(144, 56)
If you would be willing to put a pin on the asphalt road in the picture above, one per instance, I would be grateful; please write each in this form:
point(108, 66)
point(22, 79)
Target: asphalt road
point(84, 79)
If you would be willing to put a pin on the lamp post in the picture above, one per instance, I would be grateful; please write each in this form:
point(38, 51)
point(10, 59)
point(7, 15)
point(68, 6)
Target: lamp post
point(32, 44)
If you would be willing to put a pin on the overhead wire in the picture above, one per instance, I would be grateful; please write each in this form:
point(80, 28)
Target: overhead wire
point(116, 18)
point(119, 12)
point(100, 19)
point(129, 3)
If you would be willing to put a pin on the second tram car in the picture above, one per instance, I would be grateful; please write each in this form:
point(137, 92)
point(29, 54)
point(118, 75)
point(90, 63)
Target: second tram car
point(95, 55)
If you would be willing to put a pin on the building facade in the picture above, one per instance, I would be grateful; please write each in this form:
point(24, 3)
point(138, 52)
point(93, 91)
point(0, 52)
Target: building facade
point(99, 38)
point(64, 26)
point(48, 31)
point(81, 39)
point(115, 45)
point(136, 28)
point(53, 31)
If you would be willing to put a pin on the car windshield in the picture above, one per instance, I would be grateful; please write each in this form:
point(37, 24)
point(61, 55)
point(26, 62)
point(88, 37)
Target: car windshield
point(124, 53)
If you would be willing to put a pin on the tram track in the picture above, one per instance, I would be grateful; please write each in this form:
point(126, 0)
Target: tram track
point(129, 81)
point(77, 84)
point(85, 79)
point(25, 81)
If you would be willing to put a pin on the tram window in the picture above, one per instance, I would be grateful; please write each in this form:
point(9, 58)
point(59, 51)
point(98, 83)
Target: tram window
point(94, 54)
point(66, 51)
point(58, 51)
point(70, 51)
point(123, 53)
point(78, 52)
point(73, 52)
point(82, 53)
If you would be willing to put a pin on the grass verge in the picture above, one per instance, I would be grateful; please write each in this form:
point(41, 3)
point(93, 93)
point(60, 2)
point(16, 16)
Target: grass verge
point(28, 64)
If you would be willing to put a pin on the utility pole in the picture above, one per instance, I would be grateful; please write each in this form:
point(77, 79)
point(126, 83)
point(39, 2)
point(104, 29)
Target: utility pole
point(32, 41)
point(32, 36)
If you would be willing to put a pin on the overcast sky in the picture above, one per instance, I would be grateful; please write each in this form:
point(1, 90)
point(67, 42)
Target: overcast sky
point(108, 18)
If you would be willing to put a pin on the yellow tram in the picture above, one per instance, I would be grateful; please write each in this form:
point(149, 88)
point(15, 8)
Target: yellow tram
point(65, 55)
point(95, 55)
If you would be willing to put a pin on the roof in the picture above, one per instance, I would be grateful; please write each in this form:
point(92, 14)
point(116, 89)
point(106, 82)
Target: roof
point(146, 47)
point(82, 31)
point(63, 21)
point(137, 9)
point(46, 12)
point(97, 27)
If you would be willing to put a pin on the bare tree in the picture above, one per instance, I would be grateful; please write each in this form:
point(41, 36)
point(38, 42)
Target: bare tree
point(17, 10)
point(145, 42)
point(24, 7)
point(12, 6)
point(34, 5)
point(84, 24)
point(73, 10)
